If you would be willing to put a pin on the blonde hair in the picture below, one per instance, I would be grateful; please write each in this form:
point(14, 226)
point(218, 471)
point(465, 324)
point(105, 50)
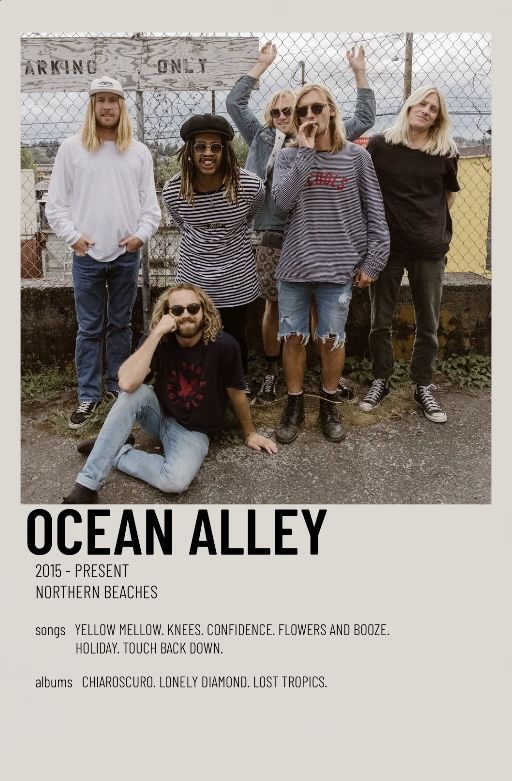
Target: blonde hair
point(212, 321)
point(336, 126)
point(90, 137)
point(439, 141)
point(284, 93)
point(229, 168)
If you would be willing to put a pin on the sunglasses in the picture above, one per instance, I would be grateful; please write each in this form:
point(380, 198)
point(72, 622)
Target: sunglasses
point(201, 147)
point(316, 108)
point(178, 310)
point(275, 112)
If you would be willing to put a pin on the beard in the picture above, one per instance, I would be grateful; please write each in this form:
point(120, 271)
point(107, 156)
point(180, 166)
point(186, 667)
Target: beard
point(187, 329)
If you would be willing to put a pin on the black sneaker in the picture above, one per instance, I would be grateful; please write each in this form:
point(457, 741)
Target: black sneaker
point(431, 408)
point(330, 419)
point(112, 395)
point(291, 419)
point(267, 392)
point(82, 413)
point(251, 396)
point(345, 393)
point(378, 391)
point(79, 494)
point(85, 447)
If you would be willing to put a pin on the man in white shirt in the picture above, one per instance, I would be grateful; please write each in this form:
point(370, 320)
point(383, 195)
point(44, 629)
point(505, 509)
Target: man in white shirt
point(102, 202)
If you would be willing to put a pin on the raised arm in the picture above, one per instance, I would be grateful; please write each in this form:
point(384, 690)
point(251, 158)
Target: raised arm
point(136, 368)
point(291, 175)
point(366, 109)
point(237, 102)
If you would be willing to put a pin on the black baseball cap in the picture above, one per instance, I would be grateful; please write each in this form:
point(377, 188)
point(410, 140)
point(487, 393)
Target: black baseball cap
point(200, 123)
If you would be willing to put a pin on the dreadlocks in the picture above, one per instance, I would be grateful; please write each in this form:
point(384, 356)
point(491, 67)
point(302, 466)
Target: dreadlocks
point(229, 169)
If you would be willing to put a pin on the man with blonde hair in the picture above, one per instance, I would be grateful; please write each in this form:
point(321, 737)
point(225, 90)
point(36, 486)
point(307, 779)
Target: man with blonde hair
point(102, 202)
point(336, 237)
point(416, 164)
point(197, 369)
point(265, 140)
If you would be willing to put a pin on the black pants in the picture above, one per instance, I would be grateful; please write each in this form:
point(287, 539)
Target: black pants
point(426, 283)
point(234, 320)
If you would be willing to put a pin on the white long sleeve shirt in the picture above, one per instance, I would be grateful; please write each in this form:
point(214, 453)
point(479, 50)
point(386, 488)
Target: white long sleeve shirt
point(105, 195)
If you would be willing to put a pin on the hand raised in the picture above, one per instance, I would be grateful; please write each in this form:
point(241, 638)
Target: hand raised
point(307, 133)
point(356, 59)
point(267, 54)
point(166, 325)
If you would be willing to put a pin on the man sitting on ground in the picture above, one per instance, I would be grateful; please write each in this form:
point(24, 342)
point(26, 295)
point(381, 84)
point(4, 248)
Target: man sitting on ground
point(197, 370)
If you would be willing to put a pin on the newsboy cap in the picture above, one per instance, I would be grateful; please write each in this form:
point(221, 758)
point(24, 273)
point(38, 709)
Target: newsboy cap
point(106, 84)
point(199, 123)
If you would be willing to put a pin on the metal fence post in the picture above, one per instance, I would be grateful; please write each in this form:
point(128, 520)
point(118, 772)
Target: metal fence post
point(146, 299)
point(408, 65)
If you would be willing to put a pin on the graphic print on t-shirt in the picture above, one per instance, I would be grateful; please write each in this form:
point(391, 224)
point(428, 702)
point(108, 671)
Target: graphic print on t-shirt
point(186, 386)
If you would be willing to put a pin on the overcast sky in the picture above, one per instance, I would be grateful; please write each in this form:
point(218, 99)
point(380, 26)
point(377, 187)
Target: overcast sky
point(458, 63)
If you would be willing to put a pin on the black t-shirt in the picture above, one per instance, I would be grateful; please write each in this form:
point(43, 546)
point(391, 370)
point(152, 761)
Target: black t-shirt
point(414, 187)
point(191, 382)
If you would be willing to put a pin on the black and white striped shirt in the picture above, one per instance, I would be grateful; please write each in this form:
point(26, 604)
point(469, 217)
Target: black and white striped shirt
point(336, 221)
point(216, 251)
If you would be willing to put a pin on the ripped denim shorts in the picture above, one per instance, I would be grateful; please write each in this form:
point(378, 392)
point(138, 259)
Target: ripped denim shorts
point(332, 305)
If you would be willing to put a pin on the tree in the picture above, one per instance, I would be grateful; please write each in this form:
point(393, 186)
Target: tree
point(241, 149)
point(27, 158)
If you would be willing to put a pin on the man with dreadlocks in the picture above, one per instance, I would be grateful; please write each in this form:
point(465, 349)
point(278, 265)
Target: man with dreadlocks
point(197, 370)
point(213, 201)
point(102, 202)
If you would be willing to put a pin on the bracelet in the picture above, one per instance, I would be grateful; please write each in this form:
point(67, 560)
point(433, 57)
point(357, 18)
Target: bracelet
point(252, 434)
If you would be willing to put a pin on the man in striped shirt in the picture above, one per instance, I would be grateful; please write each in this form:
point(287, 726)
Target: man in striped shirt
point(336, 237)
point(213, 201)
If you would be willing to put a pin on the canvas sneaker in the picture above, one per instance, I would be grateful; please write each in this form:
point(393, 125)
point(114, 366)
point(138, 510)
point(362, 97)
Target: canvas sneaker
point(345, 393)
point(251, 396)
point(82, 413)
point(112, 395)
point(378, 391)
point(431, 408)
point(267, 392)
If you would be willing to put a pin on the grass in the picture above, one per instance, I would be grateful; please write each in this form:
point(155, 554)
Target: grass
point(49, 397)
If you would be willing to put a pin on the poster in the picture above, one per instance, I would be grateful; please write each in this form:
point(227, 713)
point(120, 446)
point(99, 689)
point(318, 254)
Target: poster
point(417, 696)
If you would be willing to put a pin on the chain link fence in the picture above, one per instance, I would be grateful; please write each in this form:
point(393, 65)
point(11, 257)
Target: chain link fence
point(458, 63)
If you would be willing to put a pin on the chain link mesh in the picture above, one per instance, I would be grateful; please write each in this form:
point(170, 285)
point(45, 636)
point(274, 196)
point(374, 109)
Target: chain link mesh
point(458, 63)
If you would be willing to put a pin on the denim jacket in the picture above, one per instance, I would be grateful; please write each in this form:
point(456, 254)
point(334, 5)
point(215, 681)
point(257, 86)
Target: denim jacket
point(261, 138)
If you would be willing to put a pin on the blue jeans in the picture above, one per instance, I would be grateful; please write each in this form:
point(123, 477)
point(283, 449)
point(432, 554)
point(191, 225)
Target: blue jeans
point(184, 450)
point(332, 303)
point(94, 282)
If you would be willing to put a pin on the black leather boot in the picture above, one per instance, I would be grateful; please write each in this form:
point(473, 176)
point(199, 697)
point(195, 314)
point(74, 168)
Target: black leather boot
point(291, 419)
point(330, 419)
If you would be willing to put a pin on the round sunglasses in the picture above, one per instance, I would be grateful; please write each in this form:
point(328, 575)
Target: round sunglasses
point(316, 108)
point(276, 112)
point(201, 147)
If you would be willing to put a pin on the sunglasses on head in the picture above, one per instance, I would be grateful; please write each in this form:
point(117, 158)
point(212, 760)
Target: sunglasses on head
point(316, 108)
point(275, 112)
point(201, 147)
point(178, 310)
